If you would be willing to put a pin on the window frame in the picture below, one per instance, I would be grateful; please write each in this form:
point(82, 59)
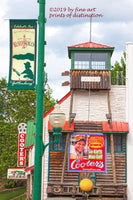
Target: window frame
point(122, 143)
point(96, 61)
point(59, 150)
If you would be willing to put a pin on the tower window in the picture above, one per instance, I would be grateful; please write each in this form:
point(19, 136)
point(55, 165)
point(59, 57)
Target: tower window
point(92, 61)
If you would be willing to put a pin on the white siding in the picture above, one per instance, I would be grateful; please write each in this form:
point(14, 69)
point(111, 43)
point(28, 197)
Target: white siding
point(92, 107)
point(65, 108)
point(129, 115)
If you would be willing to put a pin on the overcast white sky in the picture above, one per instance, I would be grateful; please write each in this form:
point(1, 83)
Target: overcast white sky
point(115, 28)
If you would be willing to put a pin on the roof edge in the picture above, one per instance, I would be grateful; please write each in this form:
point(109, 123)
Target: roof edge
point(59, 102)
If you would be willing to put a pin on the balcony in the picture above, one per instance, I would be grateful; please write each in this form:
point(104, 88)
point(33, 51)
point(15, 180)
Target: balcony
point(108, 191)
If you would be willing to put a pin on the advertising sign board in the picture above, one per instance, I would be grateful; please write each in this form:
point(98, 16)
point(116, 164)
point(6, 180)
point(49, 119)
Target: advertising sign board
point(87, 152)
point(21, 142)
point(16, 173)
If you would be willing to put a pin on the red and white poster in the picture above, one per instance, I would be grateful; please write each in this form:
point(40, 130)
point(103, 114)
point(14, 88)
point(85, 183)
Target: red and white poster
point(21, 142)
point(87, 152)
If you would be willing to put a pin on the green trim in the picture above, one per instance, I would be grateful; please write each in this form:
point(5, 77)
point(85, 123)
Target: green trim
point(78, 178)
point(72, 60)
point(51, 131)
point(90, 50)
point(117, 132)
point(49, 160)
point(125, 159)
point(109, 61)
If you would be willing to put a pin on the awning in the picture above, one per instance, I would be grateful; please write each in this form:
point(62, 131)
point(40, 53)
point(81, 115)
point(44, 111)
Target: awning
point(29, 168)
point(65, 127)
point(117, 127)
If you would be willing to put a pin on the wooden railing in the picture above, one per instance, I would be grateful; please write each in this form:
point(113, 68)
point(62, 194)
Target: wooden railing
point(109, 190)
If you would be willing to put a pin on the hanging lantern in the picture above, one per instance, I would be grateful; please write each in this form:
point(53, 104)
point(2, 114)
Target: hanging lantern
point(86, 185)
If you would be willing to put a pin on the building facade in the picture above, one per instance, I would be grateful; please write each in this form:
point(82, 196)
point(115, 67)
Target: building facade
point(98, 108)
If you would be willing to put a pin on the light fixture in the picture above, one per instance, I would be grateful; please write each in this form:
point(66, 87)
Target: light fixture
point(57, 121)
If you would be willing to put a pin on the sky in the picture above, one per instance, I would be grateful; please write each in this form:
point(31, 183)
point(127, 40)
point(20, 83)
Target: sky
point(112, 24)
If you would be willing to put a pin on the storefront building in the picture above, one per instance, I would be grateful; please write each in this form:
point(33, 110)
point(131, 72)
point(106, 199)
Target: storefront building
point(94, 109)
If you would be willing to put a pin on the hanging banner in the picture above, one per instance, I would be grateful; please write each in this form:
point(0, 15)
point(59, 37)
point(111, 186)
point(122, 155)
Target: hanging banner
point(22, 73)
point(21, 142)
point(87, 152)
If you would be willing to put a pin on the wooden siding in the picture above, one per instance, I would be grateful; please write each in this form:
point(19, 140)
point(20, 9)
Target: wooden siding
point(75, 79)
point(87, 127)
point(103, 180)
point(55, 168)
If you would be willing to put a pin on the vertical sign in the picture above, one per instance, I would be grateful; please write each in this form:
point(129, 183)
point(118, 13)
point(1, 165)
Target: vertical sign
point(22, 74)
point(87, 153)
point(21, 142)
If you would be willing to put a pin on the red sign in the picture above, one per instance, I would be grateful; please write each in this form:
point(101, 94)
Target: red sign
point(21, 150)
point(87, 153)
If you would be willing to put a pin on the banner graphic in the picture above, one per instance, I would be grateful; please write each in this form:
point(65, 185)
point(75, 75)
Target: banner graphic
point(22, 73)
point(87, 152)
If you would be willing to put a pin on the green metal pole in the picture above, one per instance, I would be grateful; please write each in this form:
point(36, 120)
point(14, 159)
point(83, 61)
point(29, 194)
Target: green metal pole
point(39, 108)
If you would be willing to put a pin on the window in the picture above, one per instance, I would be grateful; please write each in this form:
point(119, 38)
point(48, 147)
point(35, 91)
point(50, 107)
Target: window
point(118, 140)
point(61, 145)
point(97, 61)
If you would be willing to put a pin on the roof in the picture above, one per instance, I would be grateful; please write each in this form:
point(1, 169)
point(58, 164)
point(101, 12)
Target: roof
point(89, 46)
point(31, 127)
point(117, 127)
point(65, 127)
point(59, 102)
point(29, 168)
point(31, 130)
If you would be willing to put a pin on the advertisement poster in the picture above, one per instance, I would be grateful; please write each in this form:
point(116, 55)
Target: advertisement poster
point(22, 73)
point(16, 174)
point(87, 152)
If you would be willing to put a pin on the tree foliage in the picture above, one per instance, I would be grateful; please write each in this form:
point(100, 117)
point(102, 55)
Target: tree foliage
point(16, 106)
point(119, 68)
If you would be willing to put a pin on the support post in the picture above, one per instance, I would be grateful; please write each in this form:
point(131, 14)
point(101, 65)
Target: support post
point(67, 139)
point(39, 107)
point(112, 141)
